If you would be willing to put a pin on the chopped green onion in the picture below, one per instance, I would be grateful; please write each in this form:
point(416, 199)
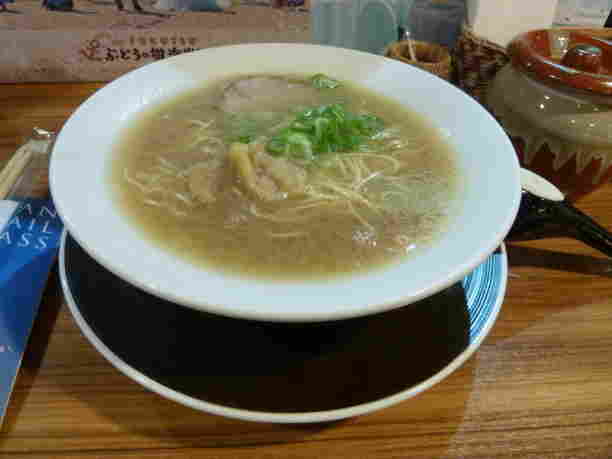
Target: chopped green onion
point(321, 81)
point(245, 128)
point(325, 129)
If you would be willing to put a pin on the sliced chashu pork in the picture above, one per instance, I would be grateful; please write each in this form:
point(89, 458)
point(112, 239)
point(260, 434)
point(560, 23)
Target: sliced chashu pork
point(269, 94)
point(266, 177)
point(205, 179)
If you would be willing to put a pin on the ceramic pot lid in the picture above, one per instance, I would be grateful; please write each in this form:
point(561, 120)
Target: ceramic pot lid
point(572, 59)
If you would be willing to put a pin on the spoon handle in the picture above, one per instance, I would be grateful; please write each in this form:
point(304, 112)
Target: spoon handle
point(585, 229)
point(540, 218)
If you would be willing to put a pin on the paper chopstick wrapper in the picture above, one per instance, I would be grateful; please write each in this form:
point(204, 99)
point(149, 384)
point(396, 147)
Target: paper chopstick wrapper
point(30, 231)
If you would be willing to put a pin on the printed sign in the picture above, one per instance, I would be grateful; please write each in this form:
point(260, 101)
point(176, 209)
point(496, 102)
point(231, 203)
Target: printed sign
point(48, 42)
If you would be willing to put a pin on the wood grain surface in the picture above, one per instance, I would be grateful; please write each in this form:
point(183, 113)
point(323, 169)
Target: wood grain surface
point(539, 387)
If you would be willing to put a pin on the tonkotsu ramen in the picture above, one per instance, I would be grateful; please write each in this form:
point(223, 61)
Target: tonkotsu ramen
point(286, 177)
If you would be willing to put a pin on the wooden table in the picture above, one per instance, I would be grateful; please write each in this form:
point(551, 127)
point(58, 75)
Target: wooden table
point(539, 387)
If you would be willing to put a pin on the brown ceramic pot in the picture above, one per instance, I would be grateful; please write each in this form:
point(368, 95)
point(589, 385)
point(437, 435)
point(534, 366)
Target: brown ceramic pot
point(554, 99)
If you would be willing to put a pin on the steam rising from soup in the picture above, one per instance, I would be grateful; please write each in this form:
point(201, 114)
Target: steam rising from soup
point(285, 177)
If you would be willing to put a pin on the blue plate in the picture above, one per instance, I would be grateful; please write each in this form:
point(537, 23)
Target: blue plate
point(281, 372)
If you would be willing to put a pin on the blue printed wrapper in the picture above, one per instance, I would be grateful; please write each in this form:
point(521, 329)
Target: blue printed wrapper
point(29, 244)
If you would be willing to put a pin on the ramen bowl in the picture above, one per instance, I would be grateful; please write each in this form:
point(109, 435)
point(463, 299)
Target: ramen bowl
point(480, 218)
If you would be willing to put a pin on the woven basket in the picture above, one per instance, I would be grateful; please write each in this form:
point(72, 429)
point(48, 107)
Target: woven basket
point(476, 62)
point(434, 58)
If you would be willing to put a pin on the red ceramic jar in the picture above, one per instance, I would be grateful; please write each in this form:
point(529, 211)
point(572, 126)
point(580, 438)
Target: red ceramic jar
point(554, 99)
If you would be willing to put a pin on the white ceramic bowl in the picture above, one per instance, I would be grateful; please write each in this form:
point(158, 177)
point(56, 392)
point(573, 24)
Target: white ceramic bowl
point(83, 152)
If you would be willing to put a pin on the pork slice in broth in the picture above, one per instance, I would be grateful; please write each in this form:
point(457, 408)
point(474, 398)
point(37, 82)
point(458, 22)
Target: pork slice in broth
point(266, 177)
point(205, 179)
point(253, 94)
point(289, 177)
